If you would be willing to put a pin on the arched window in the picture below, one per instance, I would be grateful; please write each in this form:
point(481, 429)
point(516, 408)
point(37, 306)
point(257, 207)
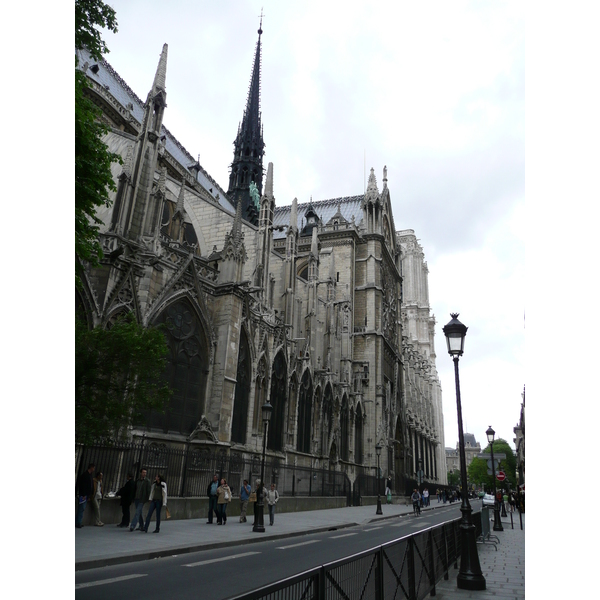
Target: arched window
point(304, 413)
point(344, 429)
point(278, 401)
point(358, 436)
point(242, 392)
point(186, 369)
point(327, 418)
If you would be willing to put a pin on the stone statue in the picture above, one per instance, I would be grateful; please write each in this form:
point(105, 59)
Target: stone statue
point(255, 195)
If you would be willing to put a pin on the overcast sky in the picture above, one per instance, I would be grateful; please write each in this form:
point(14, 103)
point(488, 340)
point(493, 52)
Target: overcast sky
point(433, 90)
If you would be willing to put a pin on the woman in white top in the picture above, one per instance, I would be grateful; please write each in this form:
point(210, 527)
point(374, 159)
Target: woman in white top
point(272, 498)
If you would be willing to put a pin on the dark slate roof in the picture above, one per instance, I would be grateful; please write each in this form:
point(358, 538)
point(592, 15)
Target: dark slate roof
point(470, 439)
point(114, 83)
point(349, 206)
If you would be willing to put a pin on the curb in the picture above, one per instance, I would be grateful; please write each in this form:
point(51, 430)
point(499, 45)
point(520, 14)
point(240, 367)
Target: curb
point(85, 565)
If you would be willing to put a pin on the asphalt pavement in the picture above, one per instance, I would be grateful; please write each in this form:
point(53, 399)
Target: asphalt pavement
point(503, 568)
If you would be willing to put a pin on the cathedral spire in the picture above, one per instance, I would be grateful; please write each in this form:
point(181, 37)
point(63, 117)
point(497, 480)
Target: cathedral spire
point(247, 166)
point(161, 72)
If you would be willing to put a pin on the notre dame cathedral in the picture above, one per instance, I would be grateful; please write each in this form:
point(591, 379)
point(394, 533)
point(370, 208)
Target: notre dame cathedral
point(320, 308)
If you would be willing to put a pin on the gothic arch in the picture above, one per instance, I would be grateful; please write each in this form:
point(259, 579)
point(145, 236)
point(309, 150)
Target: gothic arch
point(358, 435)
point(328, 416)
point(242, 391)
point(187, 368)
point(305, 397)
point(344, 429)
point(278, 399)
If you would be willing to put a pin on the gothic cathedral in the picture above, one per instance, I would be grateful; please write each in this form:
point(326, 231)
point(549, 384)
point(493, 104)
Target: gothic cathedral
point(320, 309)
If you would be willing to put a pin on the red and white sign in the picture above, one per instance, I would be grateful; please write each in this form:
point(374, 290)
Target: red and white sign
point(500, 476)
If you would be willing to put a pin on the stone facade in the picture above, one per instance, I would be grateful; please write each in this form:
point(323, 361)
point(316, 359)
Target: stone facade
point(320, 308)
point(519, 440)
point(472, 449)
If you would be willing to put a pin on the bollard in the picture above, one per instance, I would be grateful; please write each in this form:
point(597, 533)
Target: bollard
point(511, 521)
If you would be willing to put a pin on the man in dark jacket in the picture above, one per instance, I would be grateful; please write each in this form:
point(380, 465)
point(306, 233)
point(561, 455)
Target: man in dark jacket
point(211, 492)
point(142, 495)
point(84, 488)
point(127, 493)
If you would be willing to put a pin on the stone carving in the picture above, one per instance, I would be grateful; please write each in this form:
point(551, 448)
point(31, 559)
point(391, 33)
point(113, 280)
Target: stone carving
point(203, 431)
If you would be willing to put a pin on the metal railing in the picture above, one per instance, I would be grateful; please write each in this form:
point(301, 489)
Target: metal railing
point(189, 470)
point(405, 568)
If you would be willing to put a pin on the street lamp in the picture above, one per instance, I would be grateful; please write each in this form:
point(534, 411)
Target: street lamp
point(259, 521)
point(378, 452)
point(470, 576)
point(497, 522)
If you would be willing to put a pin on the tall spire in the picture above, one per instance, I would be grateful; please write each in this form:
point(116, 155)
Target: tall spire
point(161, 72)
point(249, 146)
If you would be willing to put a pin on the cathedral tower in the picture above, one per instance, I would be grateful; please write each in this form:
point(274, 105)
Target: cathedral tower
point(246, 167)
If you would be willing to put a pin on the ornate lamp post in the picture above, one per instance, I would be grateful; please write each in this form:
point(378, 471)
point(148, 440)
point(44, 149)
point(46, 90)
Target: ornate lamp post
point(259, 522)
point(470, 576)
point(378, 452)
point(490, 433)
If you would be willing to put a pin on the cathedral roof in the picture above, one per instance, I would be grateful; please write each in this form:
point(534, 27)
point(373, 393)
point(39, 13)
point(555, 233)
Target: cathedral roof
point(349, 206)
point(103, 74)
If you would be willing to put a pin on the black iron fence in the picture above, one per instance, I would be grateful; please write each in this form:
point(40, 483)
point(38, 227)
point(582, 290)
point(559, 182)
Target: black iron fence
point(408, 568)
point(188, 470)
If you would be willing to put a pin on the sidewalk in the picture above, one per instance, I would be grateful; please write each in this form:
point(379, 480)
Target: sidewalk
point(503, 569)
point(110, 545)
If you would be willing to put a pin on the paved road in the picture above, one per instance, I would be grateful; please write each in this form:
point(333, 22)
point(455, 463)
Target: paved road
point(233, 570)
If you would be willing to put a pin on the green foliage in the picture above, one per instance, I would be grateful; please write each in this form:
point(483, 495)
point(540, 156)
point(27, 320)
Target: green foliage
point(93, 178)
point(477, 471)
point(118, 374)
point(454, 477)
point(90, 14)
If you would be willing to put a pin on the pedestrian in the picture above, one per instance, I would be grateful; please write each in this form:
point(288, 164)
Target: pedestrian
point(272, 499)
point(211, 492)
point(445, 498)
point(127, 494)
point(512, 502)
point(142, 495)
point(260, 493)
point(97, 500)
point(244, 497)
point(425, 497)
point(223, 499)
point(416, 500)
point(158, 499)
point(84, 489)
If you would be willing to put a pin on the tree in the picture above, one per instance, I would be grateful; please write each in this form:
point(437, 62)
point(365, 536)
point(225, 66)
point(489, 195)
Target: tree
point(93, 178)
point(477, 470)
point(118, 375)
point(454, 477)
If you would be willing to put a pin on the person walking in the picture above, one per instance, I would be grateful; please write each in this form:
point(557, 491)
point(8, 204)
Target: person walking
point(127, 494)
point(211, 492)
point(425, 497)
point(158, 499)
point(272, 499)
point(142, 495)
point(244, 497)
point(97, 500)
point(84, 489)
point(223, 499)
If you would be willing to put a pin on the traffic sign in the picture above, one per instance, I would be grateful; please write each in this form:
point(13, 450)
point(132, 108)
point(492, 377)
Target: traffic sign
point(500, 476)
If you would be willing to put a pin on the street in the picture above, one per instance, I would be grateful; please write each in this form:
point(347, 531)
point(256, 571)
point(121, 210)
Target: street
point(224, 572)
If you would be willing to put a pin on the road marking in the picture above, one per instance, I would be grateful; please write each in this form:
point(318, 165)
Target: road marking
point(104, 581)
point(296, 545)
point(397, 525)
point(335, 537)
point(420, 524)
point(214, 560)
point(373, 528)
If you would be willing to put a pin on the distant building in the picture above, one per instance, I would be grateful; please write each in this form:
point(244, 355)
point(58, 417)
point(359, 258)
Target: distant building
point(519, 441)
point(472, 449)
